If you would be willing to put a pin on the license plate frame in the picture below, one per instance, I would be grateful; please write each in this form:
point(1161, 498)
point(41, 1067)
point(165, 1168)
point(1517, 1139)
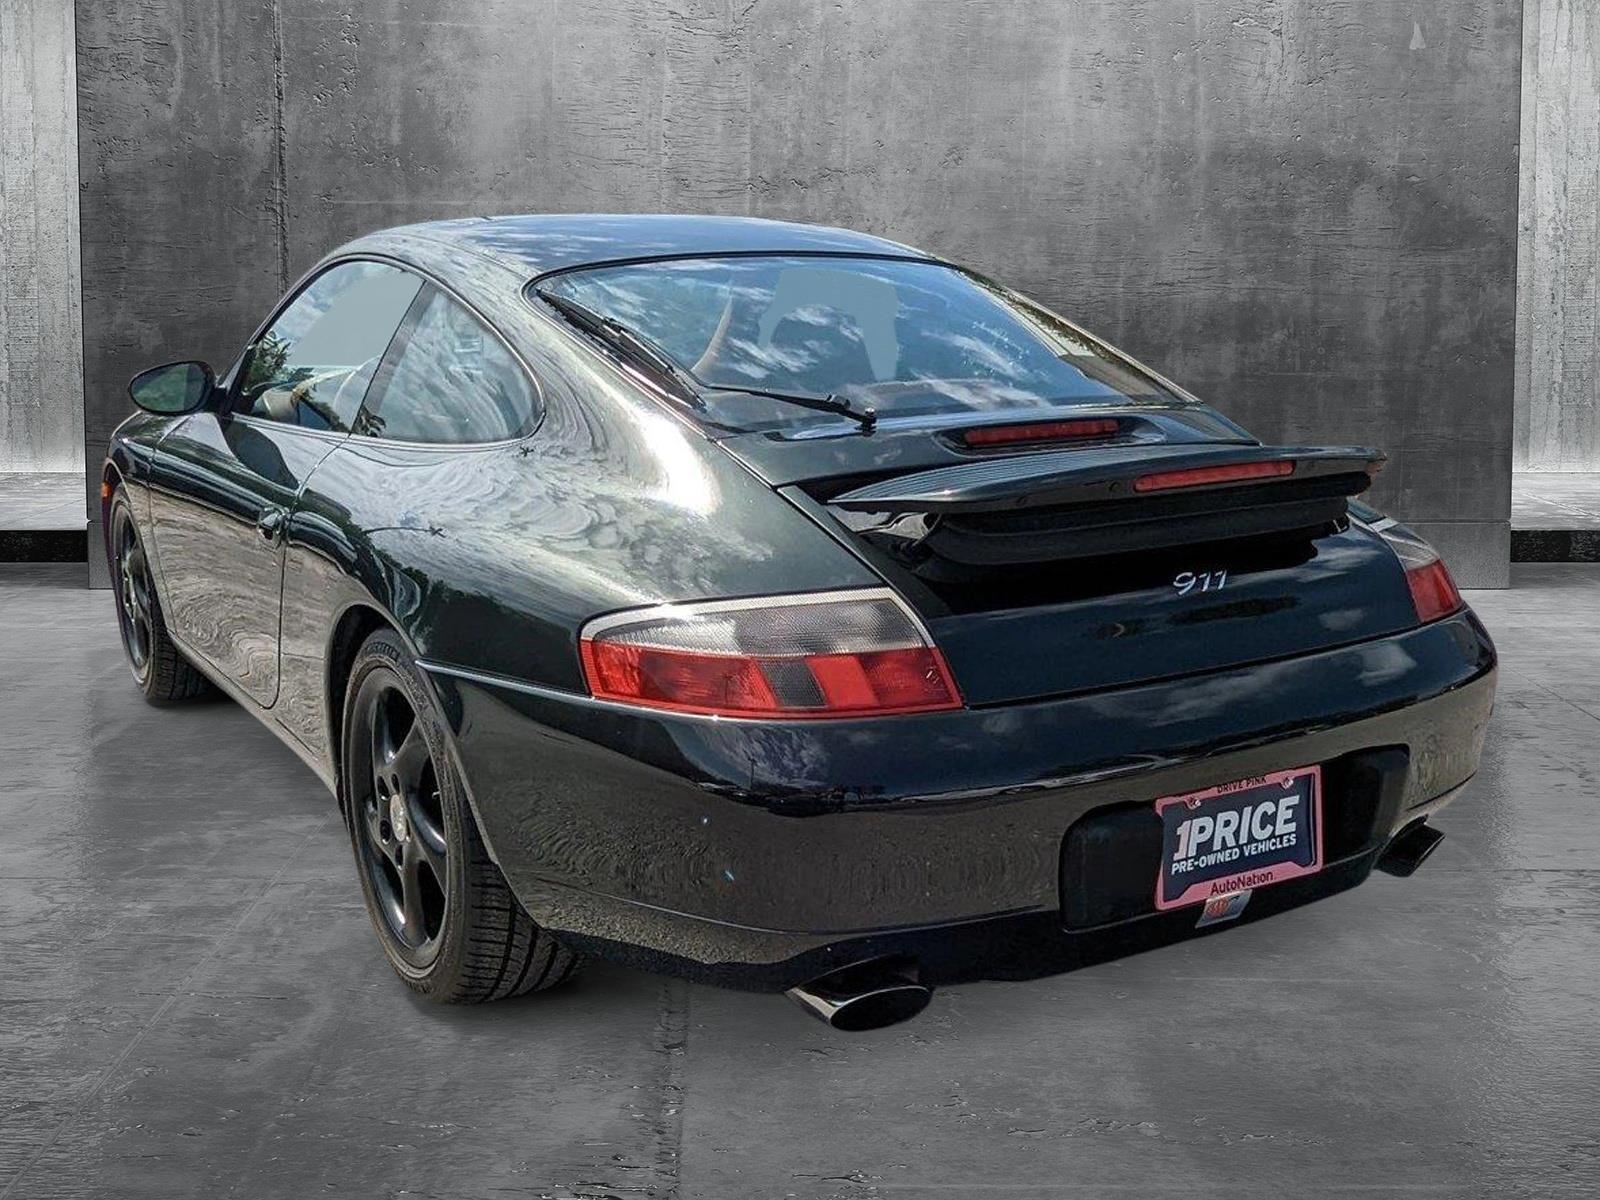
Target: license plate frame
point(1204, 872)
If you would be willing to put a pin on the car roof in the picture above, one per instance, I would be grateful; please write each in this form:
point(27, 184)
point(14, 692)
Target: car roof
point(540, 244)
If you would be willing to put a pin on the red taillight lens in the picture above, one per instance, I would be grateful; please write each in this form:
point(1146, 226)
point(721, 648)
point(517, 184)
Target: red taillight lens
point(1041, 431)
point(673, 679)
point(1433, 592)
point(1161, 481)
point(832, 655)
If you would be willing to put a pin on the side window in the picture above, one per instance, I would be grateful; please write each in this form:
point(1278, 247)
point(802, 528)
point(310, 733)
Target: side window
point(313, 364)
point(448, 380)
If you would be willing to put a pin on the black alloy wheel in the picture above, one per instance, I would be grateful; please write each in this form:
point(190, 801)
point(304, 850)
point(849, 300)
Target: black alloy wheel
point(400, 822)
point(448, 922)
point(159, 668)
point(135, 596)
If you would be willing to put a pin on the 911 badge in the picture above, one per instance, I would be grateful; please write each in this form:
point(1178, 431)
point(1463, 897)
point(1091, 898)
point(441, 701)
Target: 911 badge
point(1239, 836)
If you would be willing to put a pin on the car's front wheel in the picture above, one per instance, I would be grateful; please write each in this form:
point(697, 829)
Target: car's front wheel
point(159, 668)
point(449, 924)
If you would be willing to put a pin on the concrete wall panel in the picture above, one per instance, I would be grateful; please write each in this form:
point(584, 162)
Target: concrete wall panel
point(182, 207)
point(1303, 209)
point(1558, 314)
point(41, 348)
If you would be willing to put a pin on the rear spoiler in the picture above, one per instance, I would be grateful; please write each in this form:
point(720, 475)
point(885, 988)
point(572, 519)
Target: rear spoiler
point(1114, 473)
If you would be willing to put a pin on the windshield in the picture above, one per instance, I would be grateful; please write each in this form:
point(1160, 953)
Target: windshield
point(907, 338)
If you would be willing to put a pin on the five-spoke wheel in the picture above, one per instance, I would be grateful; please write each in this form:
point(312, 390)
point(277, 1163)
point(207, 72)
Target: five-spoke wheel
point(401, 824)
point(159, 668)
point(448, 921)
point(134, 596)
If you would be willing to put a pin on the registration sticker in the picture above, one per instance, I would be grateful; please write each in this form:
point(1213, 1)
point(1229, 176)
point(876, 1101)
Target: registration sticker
point(1239, 836)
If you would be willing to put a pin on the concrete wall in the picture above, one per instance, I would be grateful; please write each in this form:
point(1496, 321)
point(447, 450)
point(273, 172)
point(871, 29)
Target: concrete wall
point(41, 351)
point(1304, 209)
point(1558, 314)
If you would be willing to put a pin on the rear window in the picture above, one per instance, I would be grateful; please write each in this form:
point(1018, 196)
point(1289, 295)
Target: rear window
point(906, 337)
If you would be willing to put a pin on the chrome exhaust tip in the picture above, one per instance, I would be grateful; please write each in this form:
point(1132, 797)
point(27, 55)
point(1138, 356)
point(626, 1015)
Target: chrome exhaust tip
point(865, 995)
point(1409, 849)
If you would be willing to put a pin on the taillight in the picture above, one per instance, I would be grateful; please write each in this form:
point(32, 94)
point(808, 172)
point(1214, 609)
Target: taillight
point(1433, 592)
point(833, 654)
point(1042, 431)
point(1161, 481)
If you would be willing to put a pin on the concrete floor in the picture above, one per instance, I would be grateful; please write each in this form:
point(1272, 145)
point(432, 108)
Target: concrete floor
point(1555, 500)
point(192, 1003)
point(33, 500)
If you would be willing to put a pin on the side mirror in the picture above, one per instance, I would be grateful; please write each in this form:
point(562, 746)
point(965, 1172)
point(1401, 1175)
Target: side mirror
point(173, 389)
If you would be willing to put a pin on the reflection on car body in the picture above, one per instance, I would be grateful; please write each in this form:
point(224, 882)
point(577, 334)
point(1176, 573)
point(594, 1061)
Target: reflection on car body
point(776, 605)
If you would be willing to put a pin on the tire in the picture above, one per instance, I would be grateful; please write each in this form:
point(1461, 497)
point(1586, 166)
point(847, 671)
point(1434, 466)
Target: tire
point(159, 668)
point(463, 938)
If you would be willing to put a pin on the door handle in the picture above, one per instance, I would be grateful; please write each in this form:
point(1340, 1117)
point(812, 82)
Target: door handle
point(270, 524)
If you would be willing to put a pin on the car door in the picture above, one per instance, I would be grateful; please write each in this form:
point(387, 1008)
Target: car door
point(226, 482)
point(425, 457)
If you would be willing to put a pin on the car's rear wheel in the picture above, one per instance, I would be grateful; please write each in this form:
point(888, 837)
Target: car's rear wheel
point(164, 676)
point(448, 923)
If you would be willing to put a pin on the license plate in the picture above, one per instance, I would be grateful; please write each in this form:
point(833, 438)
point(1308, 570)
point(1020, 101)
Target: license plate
point(1239, 836)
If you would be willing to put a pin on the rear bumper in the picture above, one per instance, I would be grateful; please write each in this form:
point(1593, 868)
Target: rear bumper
point(762, 853)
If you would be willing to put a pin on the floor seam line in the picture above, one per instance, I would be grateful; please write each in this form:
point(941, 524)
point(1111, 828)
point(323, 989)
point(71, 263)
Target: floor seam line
point(1548, 690)
point(672, 1038)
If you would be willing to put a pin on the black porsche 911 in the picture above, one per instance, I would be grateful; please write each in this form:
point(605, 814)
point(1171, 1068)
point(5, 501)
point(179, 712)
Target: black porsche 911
point(781, 606)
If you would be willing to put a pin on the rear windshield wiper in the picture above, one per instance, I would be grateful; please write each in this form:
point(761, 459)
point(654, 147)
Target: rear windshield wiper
point(831, 403)
point(619, 337)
